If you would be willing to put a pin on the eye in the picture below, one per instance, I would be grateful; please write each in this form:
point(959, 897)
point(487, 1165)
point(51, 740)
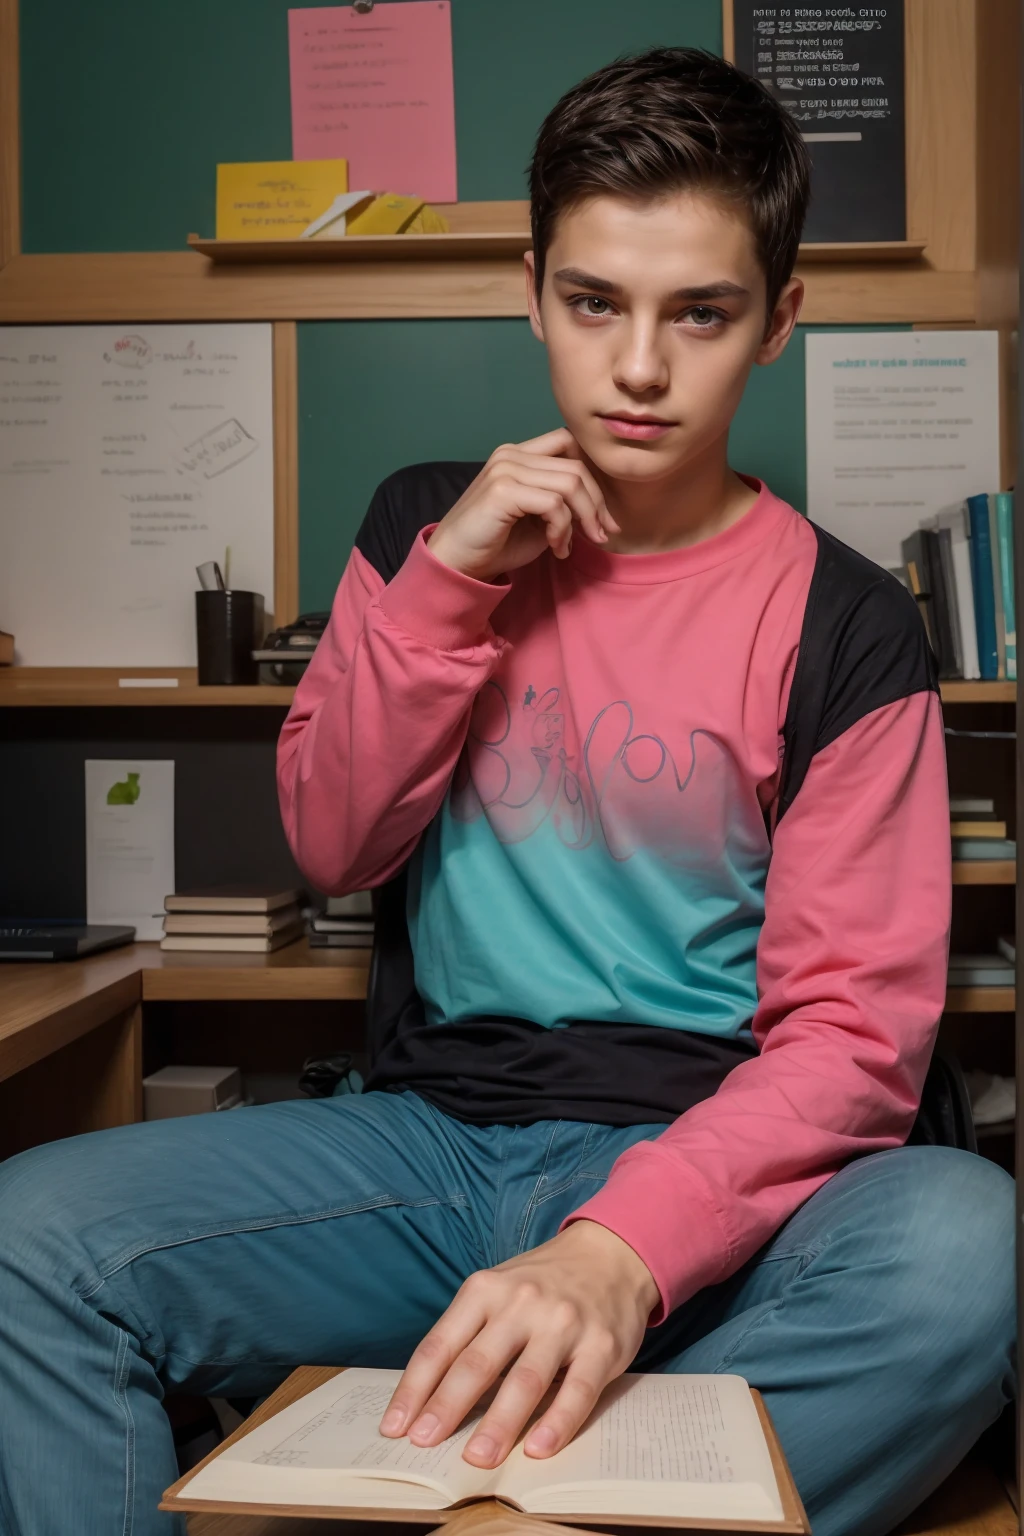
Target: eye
point(704, 318)
point(590, 304)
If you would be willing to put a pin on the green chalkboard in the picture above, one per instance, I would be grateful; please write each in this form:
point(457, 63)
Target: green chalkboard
point(128, 105)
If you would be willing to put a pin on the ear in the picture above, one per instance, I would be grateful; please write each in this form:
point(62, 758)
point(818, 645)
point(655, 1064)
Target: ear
point(532, 298)
point(782, 322)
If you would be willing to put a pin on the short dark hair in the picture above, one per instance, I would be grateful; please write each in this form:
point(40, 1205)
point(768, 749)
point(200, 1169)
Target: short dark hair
point(668, 119)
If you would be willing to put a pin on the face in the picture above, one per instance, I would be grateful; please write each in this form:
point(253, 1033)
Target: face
point(653, 315)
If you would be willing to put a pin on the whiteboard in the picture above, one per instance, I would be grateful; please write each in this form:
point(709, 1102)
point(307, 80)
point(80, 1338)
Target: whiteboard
point(128, 456)
point(901, 425)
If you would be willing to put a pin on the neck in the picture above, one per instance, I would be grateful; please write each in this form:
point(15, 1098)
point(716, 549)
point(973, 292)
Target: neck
point(702, 498)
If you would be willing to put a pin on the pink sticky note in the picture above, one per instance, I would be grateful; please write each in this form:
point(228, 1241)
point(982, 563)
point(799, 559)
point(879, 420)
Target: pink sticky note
point(376, 89)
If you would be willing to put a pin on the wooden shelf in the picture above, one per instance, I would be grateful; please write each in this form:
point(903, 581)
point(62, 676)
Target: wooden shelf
point(995, 1128)
point(984, 872)
point(137, 287)
point(292, 972)
point(465, 239)
point(980, 1000)
point(32, 687)
point(407, 248)
point(978, 693)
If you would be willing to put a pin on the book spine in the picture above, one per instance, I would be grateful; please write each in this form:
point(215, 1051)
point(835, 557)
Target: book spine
point(965, 594)
point(1004, 529)
point(940, 602)
point(997, 590)
point(945, 538)
point(984, 602)
point(912, 553)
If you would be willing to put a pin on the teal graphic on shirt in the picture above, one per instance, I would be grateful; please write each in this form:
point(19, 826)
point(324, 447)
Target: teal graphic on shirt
point(615, 883)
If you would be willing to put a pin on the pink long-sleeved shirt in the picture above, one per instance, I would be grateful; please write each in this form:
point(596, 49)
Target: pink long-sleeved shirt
point(675, 829)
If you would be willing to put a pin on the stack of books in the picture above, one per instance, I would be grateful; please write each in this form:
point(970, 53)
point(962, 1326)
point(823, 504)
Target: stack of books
point(976, 831)
point(959, 566)
point(235, 918)
point(980, 971)
point(346, 922)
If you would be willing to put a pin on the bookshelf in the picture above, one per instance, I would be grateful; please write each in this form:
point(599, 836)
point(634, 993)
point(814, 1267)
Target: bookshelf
point(984, 911)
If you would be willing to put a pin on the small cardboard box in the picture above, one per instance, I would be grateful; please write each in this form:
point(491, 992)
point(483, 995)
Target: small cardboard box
point(190, 1091)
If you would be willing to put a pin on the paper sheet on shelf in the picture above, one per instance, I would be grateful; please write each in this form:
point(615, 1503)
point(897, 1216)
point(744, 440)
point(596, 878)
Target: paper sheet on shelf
point(900, 426)
point(129, 842)
point(377, 90)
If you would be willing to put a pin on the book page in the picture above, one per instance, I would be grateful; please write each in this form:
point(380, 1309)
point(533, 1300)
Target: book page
point(648, 1436)
point(334, 1429)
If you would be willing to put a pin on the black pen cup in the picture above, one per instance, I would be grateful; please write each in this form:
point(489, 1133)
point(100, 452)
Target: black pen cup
point(229, 627)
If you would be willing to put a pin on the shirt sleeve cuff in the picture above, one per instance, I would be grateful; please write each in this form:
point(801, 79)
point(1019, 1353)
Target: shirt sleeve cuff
point(677, 1230)
point(437, 604)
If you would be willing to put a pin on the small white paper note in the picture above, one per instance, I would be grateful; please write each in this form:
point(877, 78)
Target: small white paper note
point(901, 425)
point(129, 842)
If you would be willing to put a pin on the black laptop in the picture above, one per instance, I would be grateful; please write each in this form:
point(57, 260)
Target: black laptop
point(58, 941)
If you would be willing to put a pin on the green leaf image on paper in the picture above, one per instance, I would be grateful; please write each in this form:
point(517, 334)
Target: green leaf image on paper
point(125, 793)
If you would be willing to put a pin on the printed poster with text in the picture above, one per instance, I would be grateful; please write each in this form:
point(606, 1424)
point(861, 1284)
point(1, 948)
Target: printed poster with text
point(375, 88)
point(901, 425)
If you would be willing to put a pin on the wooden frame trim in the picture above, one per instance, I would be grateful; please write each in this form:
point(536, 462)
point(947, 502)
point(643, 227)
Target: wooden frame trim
point(10, 133)
point(728, 32)
point(286, 472)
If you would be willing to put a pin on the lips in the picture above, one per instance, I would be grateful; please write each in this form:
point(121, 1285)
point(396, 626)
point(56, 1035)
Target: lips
point(637, 428)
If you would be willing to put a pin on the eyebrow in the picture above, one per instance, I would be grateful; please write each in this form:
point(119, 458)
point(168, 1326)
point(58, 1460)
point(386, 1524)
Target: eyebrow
point(719, 290)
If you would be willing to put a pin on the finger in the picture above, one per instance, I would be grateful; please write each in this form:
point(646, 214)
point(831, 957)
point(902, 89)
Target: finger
point(525, 1384)
point(574, 452)
point(556, 441)
point(573, 1404)
point(523, 500)
point(570, 485)
point(475, 1370)
point(515, 454)
point(432, 1358)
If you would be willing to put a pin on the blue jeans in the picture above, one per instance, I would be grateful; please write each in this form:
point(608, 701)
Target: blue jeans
point(217, 1252)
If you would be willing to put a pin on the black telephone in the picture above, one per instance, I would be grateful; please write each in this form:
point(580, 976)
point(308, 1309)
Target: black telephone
point(285, 653)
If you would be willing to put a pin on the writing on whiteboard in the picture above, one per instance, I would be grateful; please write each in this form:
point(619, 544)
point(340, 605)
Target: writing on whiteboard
point(218, 450)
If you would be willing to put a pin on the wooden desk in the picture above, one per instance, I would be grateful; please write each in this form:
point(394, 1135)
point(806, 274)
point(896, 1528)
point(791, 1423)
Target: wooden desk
point(71, 1032)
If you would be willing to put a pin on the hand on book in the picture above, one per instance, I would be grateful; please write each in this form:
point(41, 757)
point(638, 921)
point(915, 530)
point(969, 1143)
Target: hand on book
point(577, 1304)
point(527, 498)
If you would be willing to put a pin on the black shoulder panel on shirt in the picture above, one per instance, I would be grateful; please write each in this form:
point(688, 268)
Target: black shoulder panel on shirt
point(862, 645)
point(404, 503)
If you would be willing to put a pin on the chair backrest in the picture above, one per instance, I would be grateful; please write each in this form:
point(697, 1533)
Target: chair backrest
point(391, 997)
point(944, 1119)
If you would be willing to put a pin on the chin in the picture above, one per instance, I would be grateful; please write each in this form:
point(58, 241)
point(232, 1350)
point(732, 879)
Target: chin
point(631, 461)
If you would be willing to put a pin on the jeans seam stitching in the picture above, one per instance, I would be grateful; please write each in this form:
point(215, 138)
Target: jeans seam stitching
point(502, 1166)
point(261, 1224)
point(121, 1368)
point(575, 1176)
point(531, 1204)
point(770, 1311)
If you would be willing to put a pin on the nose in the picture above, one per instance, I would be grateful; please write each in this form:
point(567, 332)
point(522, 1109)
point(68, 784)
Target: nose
point(641, 365)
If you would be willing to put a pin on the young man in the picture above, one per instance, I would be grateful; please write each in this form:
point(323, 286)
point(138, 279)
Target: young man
point(663, 768)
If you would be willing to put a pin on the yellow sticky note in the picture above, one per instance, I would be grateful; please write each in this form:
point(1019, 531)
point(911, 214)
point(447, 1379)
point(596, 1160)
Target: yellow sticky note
point(275, 199)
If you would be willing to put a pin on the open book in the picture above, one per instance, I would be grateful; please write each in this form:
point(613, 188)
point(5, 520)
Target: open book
point(674, 1450)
